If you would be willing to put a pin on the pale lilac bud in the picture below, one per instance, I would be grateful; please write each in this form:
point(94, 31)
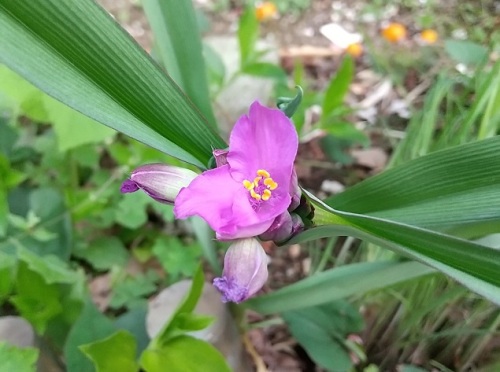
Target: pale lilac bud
point(161, 182)
point(245, 271)
point(283, 228)
point(295, 192)
point(220, 157)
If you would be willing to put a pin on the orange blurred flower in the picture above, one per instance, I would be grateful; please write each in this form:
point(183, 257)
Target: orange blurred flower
point(394, 32)
point(265, 11)
point(429, 36)
point(355, 50)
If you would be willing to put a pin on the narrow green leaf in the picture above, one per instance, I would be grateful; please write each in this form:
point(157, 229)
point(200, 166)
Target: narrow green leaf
point(473, 265)
point(248, 33)
point(113, 353)
point(265, 69)
point(457, 186)
point(75, 52)
point(345, 281)
point(178, 40)
point(338, 87)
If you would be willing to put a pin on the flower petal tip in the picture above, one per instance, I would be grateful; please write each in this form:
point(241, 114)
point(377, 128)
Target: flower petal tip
point(128, 186)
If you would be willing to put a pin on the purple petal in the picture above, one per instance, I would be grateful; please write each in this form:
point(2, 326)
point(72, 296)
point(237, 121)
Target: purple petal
point(263, 139)
point(245, 271)
point(221, 201)
point(128, 186)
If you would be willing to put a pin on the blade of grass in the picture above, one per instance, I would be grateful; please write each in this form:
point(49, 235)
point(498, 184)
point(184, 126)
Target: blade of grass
point(334, 284)
point(177, 38)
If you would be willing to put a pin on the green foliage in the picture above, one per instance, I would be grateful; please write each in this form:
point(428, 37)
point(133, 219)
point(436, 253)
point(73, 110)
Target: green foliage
point(126, 96)
point(17, 359)
point(177, 258)
point(114, 353)
point(132, 290)
point(173, 348)
point(90, 327)
point(338, 283)
point(322, 331)
point(173, 22)
point(178, 356)
point(104, 253)
point(466, 52)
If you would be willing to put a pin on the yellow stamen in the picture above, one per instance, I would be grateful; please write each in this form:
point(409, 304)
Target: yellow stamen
point(269, 182)
point(266, 195)
point(256, 181)
point(263, 173)
point(248, 185)
point(255, 195)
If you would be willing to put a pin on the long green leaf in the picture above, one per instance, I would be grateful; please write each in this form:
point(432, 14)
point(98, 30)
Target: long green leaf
point(75, 52)
point(177, 39)
point(334, 284)
point(473, 265)
point(457, 186)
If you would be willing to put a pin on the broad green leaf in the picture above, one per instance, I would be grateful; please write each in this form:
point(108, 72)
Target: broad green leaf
point(216, 70)
point(322, 330)
point(134, 321)
point(248, 33)
point(131, 210)
point(338, 87)
point(179, 354)
point(104, 253)
point(176, 258)
point(75, 52)
point(51, 268)
point(132, 290)
point(473, 265)
point(177, 39)
point(17, 359)
point(37, 301)
point(334, 284)
point(464, 51)
point(7, 275)
point(457, 186)
point(114, 353)
point(91, 326)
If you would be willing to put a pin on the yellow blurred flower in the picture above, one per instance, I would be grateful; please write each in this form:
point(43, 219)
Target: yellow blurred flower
point(355, 50)
point(394, 32)
point(265, 11)
point(429, 36)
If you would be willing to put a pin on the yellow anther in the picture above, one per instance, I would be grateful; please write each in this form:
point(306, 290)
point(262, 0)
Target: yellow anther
point(263, 173)
point(269, 182)
point(255, 195)
point(266, 195)
point(257, 180)
point(248, 185)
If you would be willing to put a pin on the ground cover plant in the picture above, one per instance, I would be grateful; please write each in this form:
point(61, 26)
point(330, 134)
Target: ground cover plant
point(124, 172)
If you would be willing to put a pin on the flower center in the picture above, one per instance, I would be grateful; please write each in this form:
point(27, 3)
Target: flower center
point(262, 185)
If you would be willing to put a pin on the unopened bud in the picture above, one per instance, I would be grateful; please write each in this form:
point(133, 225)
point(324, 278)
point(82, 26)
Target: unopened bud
point(161, 182)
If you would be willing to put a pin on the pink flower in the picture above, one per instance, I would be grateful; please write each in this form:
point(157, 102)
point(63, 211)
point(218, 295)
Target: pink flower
point(242, 198)
point(245, 271)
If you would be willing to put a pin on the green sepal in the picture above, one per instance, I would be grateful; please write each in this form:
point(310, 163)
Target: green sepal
point(290, 105)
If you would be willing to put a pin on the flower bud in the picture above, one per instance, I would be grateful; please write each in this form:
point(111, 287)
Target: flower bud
point(245, 271)
point(283, 228)
point(161, 182)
